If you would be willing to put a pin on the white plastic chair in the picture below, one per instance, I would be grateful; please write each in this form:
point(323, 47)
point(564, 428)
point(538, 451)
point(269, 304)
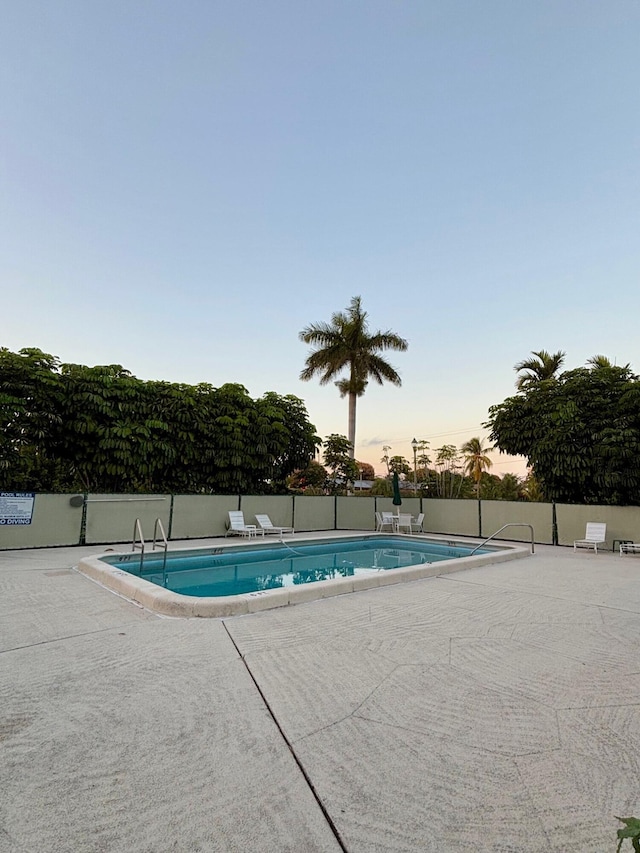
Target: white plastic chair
point(594, 536)
point(416, 526)
point(387, 520)
point(404, 522)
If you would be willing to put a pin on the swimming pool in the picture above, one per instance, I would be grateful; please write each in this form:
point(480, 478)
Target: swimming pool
point(221, 581)
point(254, 569)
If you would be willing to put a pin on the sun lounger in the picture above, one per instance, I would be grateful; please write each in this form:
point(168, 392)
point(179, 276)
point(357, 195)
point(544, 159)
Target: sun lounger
point(237, 527)
point(266, 526)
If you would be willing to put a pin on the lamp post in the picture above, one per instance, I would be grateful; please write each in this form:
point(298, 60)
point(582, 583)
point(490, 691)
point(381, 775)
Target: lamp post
point(414, 444)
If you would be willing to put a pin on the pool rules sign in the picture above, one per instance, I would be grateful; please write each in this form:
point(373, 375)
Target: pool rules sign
point(16, 507)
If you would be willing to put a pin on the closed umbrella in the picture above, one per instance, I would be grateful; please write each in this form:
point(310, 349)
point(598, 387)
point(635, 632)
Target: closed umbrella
point(397, 498)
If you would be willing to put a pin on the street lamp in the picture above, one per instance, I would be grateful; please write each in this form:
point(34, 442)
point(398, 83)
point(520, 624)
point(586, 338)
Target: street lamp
point(414, 444)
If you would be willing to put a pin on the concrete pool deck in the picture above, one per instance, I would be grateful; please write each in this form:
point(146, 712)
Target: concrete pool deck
point(494, 709)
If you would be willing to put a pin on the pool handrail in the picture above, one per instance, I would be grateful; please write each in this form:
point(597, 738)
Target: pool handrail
point(510, 524)
point(137, 535)
point(164, 544)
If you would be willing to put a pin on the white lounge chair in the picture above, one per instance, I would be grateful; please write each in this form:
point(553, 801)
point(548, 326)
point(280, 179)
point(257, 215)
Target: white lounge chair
point(416, 526)
point(629, 548)
point(594, 536)
point(266, 526)
point(237, 527)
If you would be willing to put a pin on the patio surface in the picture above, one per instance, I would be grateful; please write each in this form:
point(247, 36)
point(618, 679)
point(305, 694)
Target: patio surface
point(494, 709)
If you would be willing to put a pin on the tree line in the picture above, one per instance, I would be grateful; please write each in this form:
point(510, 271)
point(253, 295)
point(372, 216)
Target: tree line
point(454, 473)
point(68, 427)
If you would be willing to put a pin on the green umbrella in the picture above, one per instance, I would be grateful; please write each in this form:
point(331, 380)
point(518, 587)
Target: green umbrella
point(397, 498)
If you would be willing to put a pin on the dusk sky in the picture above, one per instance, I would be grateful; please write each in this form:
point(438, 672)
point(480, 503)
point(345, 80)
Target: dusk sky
point(185, 186)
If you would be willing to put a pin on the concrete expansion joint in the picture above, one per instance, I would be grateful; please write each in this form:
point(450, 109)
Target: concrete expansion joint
point(56, 640)
point(289, 744)
point(599, 707)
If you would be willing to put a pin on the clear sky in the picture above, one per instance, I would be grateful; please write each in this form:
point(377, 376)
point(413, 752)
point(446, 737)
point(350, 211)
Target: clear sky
point(185, 185)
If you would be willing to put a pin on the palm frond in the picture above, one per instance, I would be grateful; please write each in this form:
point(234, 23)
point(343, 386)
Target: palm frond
point(381, 371)
point(388, 340)
point(542, 367)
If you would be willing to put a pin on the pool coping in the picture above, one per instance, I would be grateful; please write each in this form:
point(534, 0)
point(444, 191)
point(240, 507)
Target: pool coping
point(168, 603)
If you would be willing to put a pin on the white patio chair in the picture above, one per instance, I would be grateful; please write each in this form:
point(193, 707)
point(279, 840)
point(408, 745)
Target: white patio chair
point(266, 526)
point(594, 536)
point(629, 548)
point(237, 527)
point(388, 521)
point(416, 526)
point(404, 522)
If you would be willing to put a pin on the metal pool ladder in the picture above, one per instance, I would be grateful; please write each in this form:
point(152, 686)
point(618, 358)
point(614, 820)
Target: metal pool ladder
point(139, 543)
point(510, 524)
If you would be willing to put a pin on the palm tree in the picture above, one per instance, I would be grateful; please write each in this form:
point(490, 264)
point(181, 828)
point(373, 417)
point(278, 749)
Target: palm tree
point(600, 362)
point(543, 366)
point(448, 478)
point(345, 342)
point(476, 460)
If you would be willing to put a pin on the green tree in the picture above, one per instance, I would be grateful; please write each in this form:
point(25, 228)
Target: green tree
point(314, 476)
point(542, 367)
point(476, 460)
point(382, 487)
point(346, 344)
point(31, 419)
point(511, 488)
point(337, 451)
point(290, 438)
point(531, 489)
point(448, 472)
point(399, 465)
point(366, 470)
point(113, 440)
point(601, 362)
point(505, 488)
point(491, 487)
point(422, 454)
point(385, 457)
point(580, 434)
point(423, 461)
point(72, 427)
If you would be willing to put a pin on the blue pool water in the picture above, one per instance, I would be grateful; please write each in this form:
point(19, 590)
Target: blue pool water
point(236, 570)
